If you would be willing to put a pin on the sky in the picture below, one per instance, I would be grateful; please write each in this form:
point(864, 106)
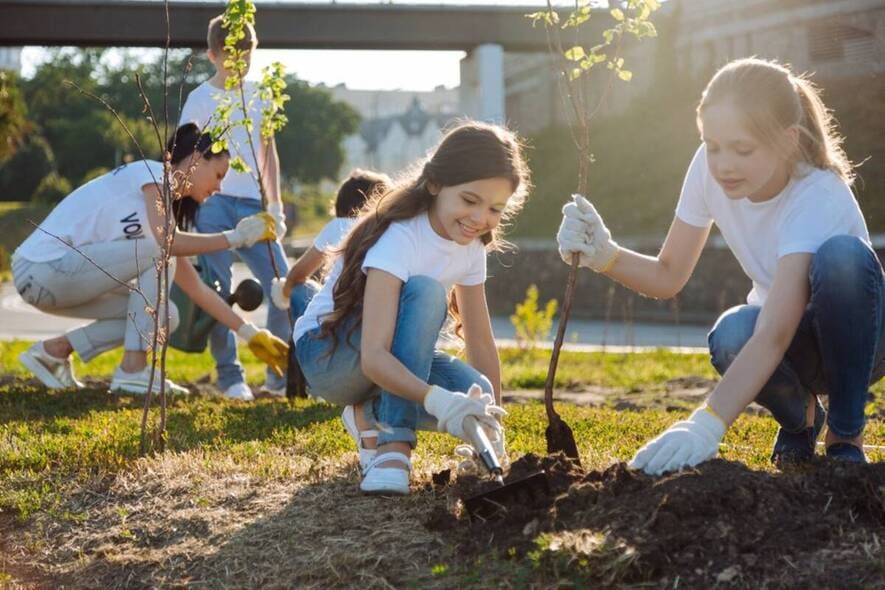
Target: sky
point(365, 70)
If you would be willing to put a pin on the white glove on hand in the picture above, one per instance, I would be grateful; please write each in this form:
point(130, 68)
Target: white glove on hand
point(451, 407)
point(276, 294)
point(583, 231)
point(279, 216)
point(250, 230)
point(471, 463)
point(685, 444)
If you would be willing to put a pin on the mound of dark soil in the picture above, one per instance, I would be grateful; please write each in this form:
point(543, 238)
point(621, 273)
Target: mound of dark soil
point(719, 524)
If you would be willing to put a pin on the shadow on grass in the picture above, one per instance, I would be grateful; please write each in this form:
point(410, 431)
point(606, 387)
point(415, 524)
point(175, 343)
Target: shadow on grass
point(28, 401)
point(191, 421)
point(189, 427)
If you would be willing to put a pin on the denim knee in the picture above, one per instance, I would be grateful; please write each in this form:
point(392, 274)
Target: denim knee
point(839, 267)
point(425, 290)
point(428, 297)
point(301, 296)
point(729, 335)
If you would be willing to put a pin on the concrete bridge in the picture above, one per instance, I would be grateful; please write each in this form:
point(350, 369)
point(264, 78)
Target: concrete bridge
point(484, 32)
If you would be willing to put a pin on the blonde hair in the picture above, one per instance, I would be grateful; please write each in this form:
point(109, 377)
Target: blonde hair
point(772, 99)
point(217, 33)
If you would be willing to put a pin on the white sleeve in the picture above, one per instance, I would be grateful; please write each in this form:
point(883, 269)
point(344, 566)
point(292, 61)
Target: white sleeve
point(816, 215)
point(330, 235)
point(476, 272)
point(392, 253)
point(692, 208)
point(193, 111)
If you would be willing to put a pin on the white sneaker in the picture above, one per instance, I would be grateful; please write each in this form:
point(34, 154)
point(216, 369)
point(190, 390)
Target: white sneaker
point(53, 372)
point(366, 455)
point(273, 391)
point(137, 383)
point(239, 391)
point(387, 480)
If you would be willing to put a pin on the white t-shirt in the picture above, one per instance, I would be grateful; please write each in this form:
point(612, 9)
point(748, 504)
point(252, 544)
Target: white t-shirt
point(108, 208)
point(333, 232)
point(200, 108)
point(811, 209)
point(406, 249)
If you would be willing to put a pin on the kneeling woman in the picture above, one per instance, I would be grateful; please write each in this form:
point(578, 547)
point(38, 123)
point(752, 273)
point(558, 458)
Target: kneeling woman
point(95, 257)
point(367, 340)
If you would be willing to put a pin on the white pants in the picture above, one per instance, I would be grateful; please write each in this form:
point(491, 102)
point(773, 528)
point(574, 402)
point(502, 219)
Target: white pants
point(72, 286)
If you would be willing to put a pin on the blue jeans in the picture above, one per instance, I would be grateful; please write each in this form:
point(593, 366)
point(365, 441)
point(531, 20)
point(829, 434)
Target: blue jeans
point(220, 213)
point(301, 295)
point(337, 377)
point(838, 348)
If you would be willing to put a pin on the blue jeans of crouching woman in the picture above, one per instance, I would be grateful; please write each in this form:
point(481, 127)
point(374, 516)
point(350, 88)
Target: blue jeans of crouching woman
point(838, 348)
point(337, 377)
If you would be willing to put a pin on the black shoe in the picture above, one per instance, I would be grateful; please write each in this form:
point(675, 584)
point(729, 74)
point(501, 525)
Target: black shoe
point(791, 448)
point(846, 452)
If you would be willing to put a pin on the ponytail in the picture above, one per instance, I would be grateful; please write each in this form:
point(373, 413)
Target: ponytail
point(819, 141)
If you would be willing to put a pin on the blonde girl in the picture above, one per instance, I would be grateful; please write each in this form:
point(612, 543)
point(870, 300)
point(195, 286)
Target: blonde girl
point(772, 176)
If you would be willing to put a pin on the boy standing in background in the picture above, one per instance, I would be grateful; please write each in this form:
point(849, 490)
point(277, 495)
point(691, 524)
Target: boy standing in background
point(239, 197)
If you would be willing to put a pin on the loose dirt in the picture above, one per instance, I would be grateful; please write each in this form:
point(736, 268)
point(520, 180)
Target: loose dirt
point(720, 524)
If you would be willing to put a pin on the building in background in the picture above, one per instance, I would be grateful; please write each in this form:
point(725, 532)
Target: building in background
point(834, 39)
point(398, 126)
point(11, 59)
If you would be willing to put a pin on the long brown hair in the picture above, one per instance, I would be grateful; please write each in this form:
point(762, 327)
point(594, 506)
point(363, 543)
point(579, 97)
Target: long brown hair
point(468, 152)
point(771, 99)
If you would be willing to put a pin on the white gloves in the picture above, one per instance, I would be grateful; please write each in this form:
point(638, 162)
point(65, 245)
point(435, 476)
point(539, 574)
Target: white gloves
point(276, 294)
point(451, 407)
point(471, 463)
point(279, 216)
point(583, 231)
point(250, 230)
point(685, 444)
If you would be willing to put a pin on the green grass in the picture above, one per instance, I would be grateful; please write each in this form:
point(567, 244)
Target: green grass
point(55, 444)
point(644, 370)
point(522, 369)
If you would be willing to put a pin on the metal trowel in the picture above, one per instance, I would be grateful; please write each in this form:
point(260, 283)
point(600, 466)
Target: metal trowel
point(496, 501)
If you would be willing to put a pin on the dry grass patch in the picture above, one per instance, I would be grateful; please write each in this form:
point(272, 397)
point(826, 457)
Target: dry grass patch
point(201, 519)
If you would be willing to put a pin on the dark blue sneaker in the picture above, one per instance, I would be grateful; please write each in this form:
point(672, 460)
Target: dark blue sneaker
point(791, 448)
point(846, 452)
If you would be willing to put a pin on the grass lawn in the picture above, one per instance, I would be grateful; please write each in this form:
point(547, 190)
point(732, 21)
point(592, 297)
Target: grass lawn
point(265, 493)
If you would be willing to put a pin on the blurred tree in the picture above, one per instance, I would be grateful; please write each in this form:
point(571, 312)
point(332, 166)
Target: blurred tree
point(13, 115)
point(22, 173)
point(85, 136)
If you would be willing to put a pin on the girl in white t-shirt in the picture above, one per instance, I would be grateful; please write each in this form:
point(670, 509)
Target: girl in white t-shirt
point(367, 341)
point(296, 290)
point(771, 174)
point(102, 241)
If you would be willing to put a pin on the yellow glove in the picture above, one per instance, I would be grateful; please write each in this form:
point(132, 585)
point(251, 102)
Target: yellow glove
point(252, 229)
point(268, 348)
point(270, 226)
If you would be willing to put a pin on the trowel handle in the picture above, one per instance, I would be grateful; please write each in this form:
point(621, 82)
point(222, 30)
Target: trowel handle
point(482, 445)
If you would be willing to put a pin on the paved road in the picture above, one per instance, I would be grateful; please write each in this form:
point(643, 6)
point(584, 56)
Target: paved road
point(19, 320)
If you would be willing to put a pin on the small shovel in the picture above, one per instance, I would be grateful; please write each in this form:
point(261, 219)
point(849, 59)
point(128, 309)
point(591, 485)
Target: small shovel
point(520, 492)
point(559, 435)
